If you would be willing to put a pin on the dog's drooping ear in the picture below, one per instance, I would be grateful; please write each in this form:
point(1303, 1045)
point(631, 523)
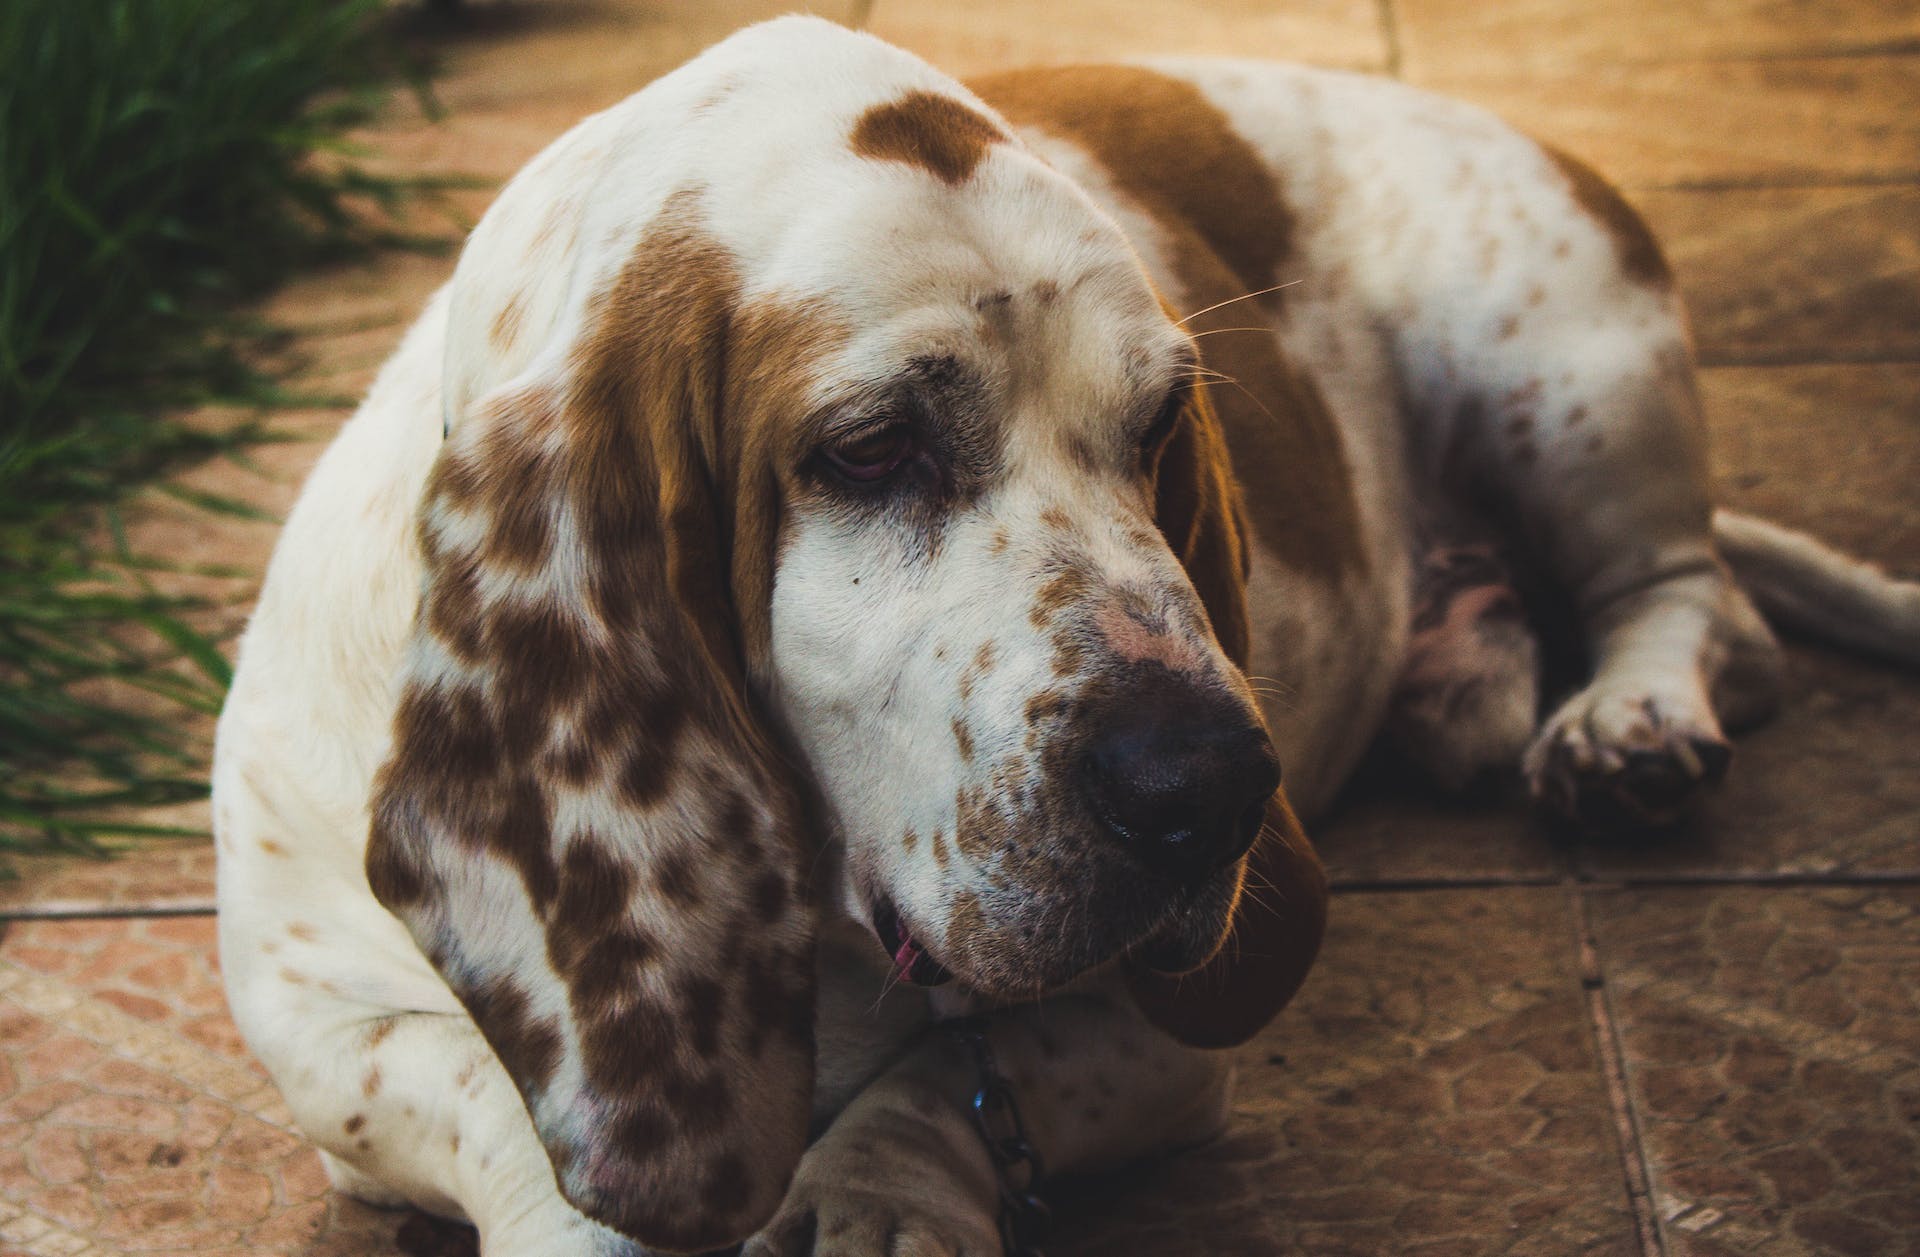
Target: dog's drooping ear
point(583, 821)
point(1281, 912)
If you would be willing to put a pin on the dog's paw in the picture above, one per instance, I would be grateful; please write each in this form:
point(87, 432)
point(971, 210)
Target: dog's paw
point(874, 1218)
point(1612, 756)
point(897, 1175)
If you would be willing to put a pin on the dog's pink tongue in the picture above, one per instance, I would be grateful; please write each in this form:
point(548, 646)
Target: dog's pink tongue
point(903, 959)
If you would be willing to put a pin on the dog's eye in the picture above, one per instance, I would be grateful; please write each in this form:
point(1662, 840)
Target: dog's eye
point(871, 456)
point(1163, 424)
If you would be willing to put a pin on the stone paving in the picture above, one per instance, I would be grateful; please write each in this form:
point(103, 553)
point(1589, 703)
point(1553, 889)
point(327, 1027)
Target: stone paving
point(1517, 1042)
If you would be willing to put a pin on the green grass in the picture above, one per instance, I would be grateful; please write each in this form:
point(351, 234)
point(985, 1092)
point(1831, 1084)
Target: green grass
point(161, 162)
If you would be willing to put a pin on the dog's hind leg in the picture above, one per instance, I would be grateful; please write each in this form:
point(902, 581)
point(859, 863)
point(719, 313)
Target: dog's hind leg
point(1606, 482)
point(1466, 703)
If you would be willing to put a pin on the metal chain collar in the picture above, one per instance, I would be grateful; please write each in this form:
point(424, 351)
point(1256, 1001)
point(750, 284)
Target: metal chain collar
point(1024, 1217)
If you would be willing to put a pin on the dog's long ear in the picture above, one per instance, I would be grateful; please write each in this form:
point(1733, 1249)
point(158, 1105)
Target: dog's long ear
point(1281, 912)
point(582, 820)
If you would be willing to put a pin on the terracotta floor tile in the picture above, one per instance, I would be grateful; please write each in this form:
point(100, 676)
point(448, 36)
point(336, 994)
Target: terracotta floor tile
point(1389, 827)
point(162, 972)
point(123, 1134)
point(1435, 1081)
point(1771, 120)
point(1772, 1042)
point(1835, 450)
point(1433, 1090)
point(1444, 34)
point(993, 34)
point(165, 874)
point(1795, 274)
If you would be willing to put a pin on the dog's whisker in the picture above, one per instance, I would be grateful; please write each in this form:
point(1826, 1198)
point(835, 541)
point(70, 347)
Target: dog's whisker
point(1245, 296)
point(1215, 331)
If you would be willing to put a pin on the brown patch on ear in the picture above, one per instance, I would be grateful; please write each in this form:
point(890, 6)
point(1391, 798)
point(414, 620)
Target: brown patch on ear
point(643, 967)
point(1277, 927)
point(1198, 506)
point(1227, 233)
point(941, 135)
point(1639, 252)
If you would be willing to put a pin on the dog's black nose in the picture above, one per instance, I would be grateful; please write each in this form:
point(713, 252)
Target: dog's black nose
point(1180, 775)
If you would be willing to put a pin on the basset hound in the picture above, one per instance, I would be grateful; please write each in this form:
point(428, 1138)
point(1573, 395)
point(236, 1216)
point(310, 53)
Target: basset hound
point(841, 530)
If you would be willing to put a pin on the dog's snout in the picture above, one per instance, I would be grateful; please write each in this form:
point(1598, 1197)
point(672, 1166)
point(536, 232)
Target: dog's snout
point(1181, 777)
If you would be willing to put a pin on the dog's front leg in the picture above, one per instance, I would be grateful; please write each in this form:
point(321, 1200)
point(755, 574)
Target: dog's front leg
point(903, 1170)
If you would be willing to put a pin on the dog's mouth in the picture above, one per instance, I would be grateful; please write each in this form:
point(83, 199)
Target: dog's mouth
point(911, 961)
point(1193, 931)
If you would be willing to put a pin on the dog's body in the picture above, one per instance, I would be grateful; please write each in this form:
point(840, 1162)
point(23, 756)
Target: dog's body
point(1464, 332)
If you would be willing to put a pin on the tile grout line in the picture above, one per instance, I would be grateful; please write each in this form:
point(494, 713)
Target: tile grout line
point(69, 910)
point(72, 910)
point(1606, 1033)
point(1390, 29)
point(1587, 881)
point(1792, 357)
point(1802, 180)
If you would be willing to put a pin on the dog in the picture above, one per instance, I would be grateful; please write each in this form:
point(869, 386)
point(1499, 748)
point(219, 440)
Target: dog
point(841, 530)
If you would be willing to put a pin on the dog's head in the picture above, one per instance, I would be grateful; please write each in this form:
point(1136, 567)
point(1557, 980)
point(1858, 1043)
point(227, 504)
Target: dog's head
point(831, 518)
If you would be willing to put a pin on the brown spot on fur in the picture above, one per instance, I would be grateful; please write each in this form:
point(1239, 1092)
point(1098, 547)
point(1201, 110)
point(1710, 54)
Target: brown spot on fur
point(999, 543)
point(1068, 586)
point(1044, 706)
point(940, 856)
point(563, 212)
point(506, 324)
point(1639, 252)
point(769, 896)
point(302, 931)
point(938, 134)
point(909, 840)
point(983, 658)
point(963, 740)
point(377, 1032)
point(1509, 327)
point(353, 1124)
point(966, 924)
point(1577, 416)
point(1228, 234)
point(1058, 520)
point(271, 847)
point(370, 1083)
point(674, 874)
point(529, 1047)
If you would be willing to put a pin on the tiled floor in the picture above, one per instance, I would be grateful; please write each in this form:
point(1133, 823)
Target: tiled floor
point(1516, 1043)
